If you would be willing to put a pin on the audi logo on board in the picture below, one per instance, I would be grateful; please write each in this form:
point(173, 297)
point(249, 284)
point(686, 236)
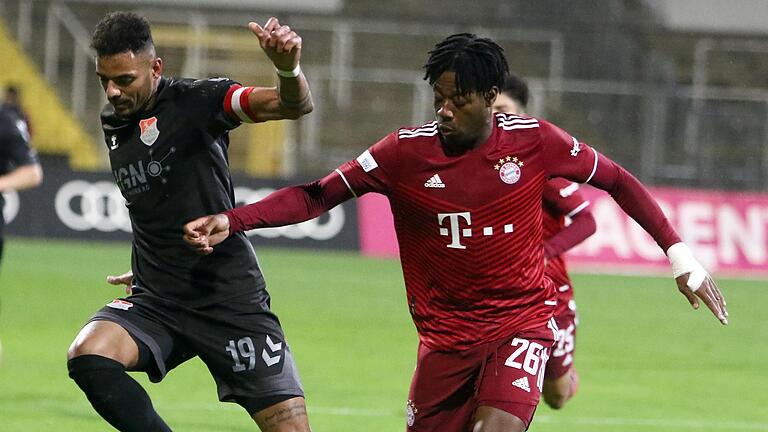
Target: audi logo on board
point(84, 206)
point(101, 207)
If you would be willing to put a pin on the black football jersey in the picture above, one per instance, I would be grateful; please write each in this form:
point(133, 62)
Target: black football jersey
point(170, 163)
point(14, 147)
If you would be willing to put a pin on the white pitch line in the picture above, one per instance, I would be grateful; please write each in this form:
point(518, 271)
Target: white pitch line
point(677, 424)
point(549, 419)
point(653, 423)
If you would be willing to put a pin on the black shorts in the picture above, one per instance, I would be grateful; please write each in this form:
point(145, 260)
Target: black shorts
point(240, 341)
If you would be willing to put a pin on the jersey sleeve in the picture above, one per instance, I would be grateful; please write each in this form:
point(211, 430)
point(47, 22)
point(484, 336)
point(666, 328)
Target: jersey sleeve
point(209, 102)
point(15, 139)
point(374, 170)
point(565, 156)
point(563, 198)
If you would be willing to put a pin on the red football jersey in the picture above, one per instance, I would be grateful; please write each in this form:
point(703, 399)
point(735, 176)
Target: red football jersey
point(470, 226)
point(561, 200)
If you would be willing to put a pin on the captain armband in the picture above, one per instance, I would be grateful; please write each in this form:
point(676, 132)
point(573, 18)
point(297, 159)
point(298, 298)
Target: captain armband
point(683, 262)
point(236, 104)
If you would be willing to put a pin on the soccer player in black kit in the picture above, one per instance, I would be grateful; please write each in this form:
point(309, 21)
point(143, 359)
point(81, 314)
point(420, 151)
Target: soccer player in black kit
point(19, 167)
point(167, 141)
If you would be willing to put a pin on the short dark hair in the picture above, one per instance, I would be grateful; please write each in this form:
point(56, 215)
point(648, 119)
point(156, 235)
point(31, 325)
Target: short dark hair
point(119, 32)
point(517, 89)
point(479, 63)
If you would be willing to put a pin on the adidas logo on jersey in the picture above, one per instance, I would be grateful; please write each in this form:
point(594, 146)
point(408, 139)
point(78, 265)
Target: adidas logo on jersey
point(522, 383)
point(434, 182)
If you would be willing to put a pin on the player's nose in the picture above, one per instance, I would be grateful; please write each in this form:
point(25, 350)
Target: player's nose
point(444, 112)
point(112, 90)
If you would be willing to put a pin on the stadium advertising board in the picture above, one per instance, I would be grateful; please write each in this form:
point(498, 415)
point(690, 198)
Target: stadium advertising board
point(88, 206)
point(728, 232)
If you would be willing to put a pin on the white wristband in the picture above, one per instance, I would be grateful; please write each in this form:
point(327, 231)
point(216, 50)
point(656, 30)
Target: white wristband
point(289, 74)
point(683, 262)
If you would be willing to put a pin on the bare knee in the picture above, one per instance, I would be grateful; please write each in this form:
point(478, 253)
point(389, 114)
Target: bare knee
point(286, 416)
point(106, 339)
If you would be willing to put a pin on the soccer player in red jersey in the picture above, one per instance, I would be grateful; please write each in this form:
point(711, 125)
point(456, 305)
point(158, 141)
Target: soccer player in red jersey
point(466, 193)
point(562, 201)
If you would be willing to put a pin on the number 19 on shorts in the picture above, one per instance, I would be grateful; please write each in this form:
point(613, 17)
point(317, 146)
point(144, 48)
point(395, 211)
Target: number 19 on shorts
point(531, 357)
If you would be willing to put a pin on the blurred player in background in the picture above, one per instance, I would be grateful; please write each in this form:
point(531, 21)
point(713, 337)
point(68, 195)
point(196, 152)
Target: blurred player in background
point(466, 195)
point(19, 166)
point(562, 201)
point(12, 102)
point(167, 141)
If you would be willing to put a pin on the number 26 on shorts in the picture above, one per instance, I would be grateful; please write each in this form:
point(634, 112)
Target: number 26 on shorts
point(534, 358)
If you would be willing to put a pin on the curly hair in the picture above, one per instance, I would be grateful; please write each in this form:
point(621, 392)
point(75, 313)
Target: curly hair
point(120, 32)
point(479, 63)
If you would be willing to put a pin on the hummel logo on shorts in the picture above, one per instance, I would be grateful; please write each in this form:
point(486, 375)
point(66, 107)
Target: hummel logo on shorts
point(434, 182)
point(522, 383)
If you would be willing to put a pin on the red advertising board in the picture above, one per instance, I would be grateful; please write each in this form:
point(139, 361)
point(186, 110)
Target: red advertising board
point(727, 231)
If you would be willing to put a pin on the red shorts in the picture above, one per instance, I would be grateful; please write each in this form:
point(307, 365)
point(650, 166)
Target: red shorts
point(561, 359)
point(448, 386)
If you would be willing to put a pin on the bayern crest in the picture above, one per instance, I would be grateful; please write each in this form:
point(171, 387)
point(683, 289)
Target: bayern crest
point(510, 169)
point(410, 413)
point(149, 130)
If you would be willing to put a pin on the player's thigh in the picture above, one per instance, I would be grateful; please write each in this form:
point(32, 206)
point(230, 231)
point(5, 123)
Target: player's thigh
point(513, 377)
point(142, 326)
point(245, 350)
point(564, 351)
point(287, 416)
point(106, 339)
point(441, 397)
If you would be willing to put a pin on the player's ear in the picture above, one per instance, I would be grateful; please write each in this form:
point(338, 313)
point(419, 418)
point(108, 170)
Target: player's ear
point(157, 67)
point(490, 96)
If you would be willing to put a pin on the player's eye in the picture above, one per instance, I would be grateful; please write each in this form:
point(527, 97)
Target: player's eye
point(124, 81)
point(459, 102)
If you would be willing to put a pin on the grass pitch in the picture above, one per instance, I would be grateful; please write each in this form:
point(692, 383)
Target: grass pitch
point(648, 363)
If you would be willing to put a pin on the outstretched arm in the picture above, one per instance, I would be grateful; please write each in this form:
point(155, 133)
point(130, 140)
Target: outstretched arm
point(567, 157)
point(286, 206)
point(692, 279)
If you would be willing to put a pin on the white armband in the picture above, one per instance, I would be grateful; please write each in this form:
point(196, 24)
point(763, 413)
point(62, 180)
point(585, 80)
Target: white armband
point(289, 74)
point(683, 262)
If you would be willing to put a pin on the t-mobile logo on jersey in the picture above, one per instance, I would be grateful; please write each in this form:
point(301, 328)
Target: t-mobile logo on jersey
point(456, 232)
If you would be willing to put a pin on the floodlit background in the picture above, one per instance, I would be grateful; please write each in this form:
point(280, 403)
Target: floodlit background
point(674, 90)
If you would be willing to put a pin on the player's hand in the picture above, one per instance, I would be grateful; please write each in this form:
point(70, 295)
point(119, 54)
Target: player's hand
point(202, 234)
point(124, 279)
point(707, 291)
point(281, 44)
